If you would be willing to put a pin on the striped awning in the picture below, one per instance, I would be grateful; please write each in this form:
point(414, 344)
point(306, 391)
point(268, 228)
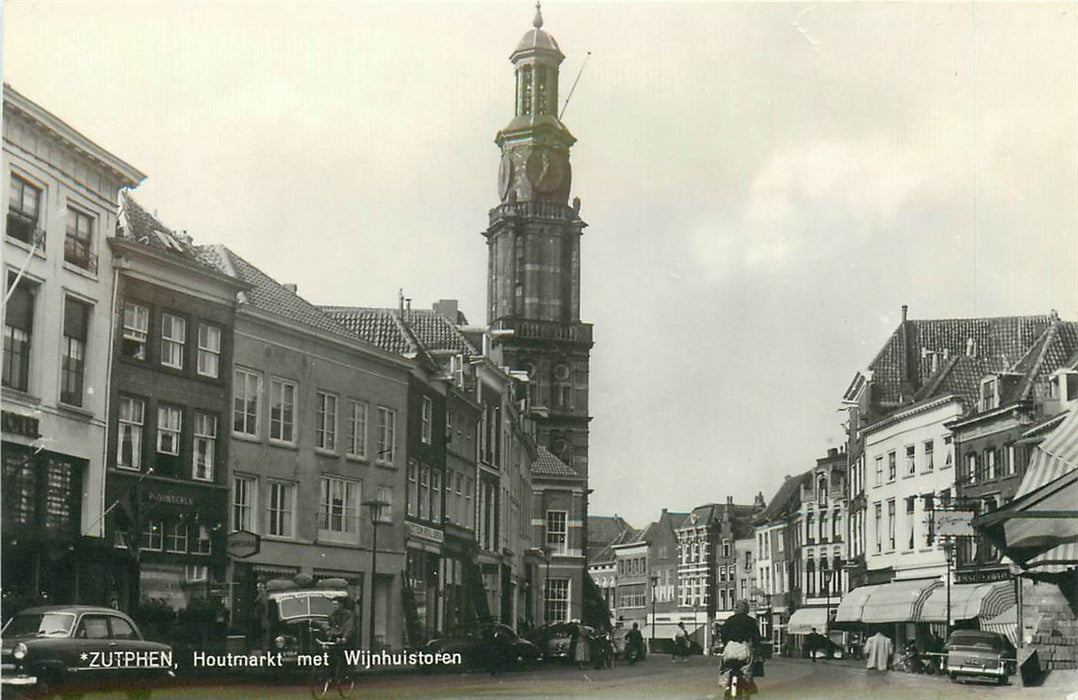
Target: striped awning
point(1039, 528)
point(969, 601)
point(1006, 623)
point(898, 601)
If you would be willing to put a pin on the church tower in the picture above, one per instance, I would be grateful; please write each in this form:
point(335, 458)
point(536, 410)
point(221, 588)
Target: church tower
point(533, 276)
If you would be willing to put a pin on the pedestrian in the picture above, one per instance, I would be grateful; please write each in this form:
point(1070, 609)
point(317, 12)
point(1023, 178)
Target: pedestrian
point(681, 643)
point(878, 652)
point(583, 646)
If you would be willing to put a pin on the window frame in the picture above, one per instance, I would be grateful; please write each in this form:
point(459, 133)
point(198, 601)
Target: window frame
point(426, 419)
point(138, 446)
point(164, 411)
point(199, 434)
point(73, 369)
point(358, 421)
point(28, 219)
point(387, 436)
point(325, 421)
point(135, 329)
point(281, 508)
point(173, 349)
point(250, 419)
point(208, 351)
point(278, 389)
point(246, 510)
point(561, 547)
point(79, 248)
point(349, 509)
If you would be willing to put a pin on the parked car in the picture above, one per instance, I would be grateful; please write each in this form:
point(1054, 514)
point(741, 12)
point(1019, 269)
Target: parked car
point(75, 649)
point(555, 640)
point(487, 645)
point(980, 654)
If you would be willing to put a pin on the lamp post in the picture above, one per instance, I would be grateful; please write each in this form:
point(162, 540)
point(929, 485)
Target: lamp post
point(948, 552)
point(827, 574)
point(654, 590)
point(548, 551)
point(376, 508)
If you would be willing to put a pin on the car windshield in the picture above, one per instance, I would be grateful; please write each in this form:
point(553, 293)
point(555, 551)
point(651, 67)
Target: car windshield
point(306, 604)
point(40, 624)
point(976, 641)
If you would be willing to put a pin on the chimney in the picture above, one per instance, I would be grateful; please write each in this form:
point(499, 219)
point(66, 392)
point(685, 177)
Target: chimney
point(971, 347)
point(832, 452)
point(291, 287)
point(729, 500)
point(905, 310)
point(447, 308)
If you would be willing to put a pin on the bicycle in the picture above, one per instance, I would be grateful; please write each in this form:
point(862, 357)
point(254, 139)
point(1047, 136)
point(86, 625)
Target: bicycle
point(739, 685)
point(337, 673)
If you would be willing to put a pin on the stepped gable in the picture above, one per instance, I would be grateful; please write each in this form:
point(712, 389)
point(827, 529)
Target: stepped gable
point(266, 293)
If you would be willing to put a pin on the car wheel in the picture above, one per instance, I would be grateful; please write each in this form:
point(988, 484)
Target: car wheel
point(953, 677)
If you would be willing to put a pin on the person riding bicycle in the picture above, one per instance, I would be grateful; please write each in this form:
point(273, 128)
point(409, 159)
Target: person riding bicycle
point(741, 635)
point(341, 629)
point(634, 644)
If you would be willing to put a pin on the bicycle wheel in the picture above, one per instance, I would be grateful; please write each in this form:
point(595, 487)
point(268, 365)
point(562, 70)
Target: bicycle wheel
point(321, 679)
point(346, 684)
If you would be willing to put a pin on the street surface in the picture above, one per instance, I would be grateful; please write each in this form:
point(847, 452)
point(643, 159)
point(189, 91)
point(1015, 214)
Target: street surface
point(655, 678)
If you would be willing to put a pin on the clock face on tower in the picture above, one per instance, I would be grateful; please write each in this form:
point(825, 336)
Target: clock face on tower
point(505, 176)
point(546, 170)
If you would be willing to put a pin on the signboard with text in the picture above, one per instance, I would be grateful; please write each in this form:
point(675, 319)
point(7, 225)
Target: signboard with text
point(243, 544)
point(954, 523)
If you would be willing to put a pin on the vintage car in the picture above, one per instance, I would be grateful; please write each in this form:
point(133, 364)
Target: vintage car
point(75, 649)
point(980, 654)
point(294, 615)
point(487, 644)
point(555, 640)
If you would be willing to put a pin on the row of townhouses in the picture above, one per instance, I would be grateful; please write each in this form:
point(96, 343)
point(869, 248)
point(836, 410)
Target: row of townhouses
point(955, 428)
point(179, 428)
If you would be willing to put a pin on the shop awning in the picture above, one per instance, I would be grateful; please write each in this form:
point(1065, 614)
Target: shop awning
point(898, 601)
point(969, 601)
point(805, 620)
point(1039, 528)
point(1005, 623)
point(851, 607)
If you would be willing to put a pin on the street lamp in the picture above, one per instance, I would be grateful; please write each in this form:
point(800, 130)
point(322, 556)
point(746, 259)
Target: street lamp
point(654, 590)
point(376, 510)
point(948, 552)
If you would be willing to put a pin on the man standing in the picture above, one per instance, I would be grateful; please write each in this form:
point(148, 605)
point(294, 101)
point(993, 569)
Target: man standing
point(741, 636)
point(878, 651)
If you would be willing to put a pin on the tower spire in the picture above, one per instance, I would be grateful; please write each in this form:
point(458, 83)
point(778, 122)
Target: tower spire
point(537, 21)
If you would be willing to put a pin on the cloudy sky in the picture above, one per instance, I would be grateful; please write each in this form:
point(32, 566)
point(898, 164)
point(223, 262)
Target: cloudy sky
point(766, 184)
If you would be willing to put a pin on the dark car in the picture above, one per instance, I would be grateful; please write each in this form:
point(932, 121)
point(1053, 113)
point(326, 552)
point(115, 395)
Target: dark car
point(487, 645)
point(555, 640)
point(980, 654)
point(74, 649)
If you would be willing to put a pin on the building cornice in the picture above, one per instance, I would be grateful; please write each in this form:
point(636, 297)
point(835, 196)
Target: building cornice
point(913, 410)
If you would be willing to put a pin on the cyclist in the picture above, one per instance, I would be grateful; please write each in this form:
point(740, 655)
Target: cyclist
point(740, 635)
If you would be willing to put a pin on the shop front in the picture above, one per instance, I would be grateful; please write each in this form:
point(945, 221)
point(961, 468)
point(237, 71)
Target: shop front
point(423, 567)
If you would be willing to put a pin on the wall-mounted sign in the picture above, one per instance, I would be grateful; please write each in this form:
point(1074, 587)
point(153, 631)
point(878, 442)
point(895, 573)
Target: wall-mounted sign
point(243, 544)
point(175, 499)
point(954, 523)
point(16, 424)
point(422, 532)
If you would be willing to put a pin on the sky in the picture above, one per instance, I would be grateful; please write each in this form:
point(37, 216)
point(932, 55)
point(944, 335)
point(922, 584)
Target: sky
point(765, 184)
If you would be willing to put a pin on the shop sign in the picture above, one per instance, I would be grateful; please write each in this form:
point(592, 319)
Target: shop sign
point(422, 532)
point(954, 523)
point(16, 424)
point(243, 544)
point(175, 499)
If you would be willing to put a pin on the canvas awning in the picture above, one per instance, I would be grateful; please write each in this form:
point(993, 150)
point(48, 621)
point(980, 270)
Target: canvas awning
point(1039, 528)
point(969, 601)
point(1005, 623)
point(805, 620)
point(898, 601)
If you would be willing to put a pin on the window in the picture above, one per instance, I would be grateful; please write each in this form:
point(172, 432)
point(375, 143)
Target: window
point(425, 421)
point(152, 535)
point(971, 468)
point(202, 543)
point(556, 600)
point(176, 538)
point(338, 508)
point(245, 388)
point(173, 336)
point(989, 399)
point(129, 438)
point(282, 410)
point(810, 578)
point(911, 460)
point(244, 493)
point(120, 627)
point(412, 496)
point(79, 240)
point(930, 529)
point(18, 333)
point(891, 465)
point(93, 627)
point(557, 531)
point(205, 446)
point(879, 471)
point(23, 210)
point(387, 434)
point(726, 549)
point(929, 447)
point(76, 316)
point(136, 329)
point(990, 463)
point(891, 525)
point(209, 350)
point(281, 504)
point(910, 505)
point(823, 526)
point(469, 489)
point(357, 428)
point(1012, 457)
point(194, 573)
point(436, 497)
point(948, 446)
point(169, 424)
point(385, 510)
point(810, 535)
point(879, 527)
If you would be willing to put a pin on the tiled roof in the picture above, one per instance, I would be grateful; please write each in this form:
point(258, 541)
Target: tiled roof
point(136, 225)
point(387, 329)
point(998, 342)
point(785, 499)
point(266, 293)
point(606, 554)
point(603, 529)
point(549, 465)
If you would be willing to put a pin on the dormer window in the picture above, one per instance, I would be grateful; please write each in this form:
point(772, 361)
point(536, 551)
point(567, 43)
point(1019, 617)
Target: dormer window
point(989, 393)
point(1063, 385)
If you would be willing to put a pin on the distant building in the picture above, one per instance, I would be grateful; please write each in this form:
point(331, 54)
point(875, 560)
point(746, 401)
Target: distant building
point(61, 204)
point(778, 576)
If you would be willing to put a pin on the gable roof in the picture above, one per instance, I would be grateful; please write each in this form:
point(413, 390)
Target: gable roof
point(403, 333)
point(546, 464)
point(785, 500)
point(266, 293)
point(136, 225)
point(604, 529)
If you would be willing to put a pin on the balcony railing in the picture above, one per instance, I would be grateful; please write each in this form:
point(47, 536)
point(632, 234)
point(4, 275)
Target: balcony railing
point(78, 253)
point(546, 330)
point(533, 210)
